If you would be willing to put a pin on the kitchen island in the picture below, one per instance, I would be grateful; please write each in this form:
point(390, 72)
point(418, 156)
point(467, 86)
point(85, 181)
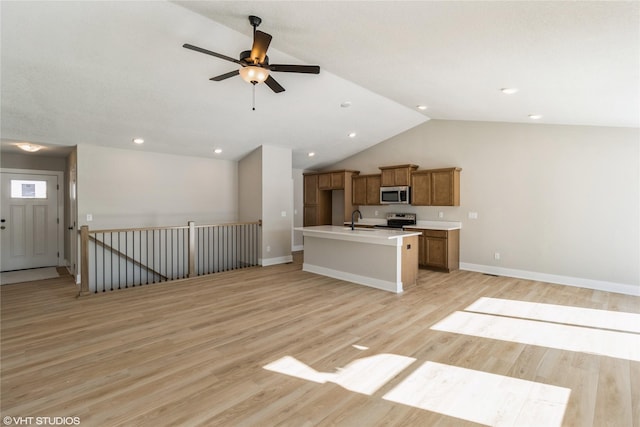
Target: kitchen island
point(381, 258)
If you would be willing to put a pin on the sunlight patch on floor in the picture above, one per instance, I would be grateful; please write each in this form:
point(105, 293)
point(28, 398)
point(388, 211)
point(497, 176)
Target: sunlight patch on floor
point(622, 345)
point(481, 397)
point(365, 375)
point(604, 319)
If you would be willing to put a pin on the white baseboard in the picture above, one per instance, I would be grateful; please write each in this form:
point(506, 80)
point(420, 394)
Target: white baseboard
point(600, 285)
point(277, 260)
point(297, 248)
point(355, 278)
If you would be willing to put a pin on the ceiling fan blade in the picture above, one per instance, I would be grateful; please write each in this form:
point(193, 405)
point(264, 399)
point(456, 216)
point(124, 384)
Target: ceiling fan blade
point(283, 68)
point(261, 43)
point(274, 85)
point(225, 75)
point(208, 52)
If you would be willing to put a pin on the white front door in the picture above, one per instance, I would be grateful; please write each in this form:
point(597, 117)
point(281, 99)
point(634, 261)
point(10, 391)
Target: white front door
point(28, 221)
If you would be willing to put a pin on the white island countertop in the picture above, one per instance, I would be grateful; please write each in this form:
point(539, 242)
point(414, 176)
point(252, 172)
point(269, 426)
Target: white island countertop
point(378, 257)
point(379, 236)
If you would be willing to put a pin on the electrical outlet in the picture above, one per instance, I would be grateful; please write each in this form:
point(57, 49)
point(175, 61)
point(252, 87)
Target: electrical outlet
point(268, 248)
point(89, 217)
point(441, 214)
point(376, 213)
point(283, 213)
point(473, 215)
point(496, 256)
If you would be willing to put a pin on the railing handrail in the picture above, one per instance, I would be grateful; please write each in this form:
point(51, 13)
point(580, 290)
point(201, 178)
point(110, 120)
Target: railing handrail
point(229, 224)
point(172, 227)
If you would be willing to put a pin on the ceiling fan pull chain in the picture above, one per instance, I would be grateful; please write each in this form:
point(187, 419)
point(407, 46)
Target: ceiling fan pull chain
point(254, 96)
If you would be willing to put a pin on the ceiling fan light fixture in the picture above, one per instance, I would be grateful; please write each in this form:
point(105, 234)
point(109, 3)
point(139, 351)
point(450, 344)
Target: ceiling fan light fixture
point(254, 74)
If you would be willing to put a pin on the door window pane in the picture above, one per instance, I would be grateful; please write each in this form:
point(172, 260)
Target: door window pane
point(27, 189)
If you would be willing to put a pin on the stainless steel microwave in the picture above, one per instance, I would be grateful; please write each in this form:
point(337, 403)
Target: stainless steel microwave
point(395, 195)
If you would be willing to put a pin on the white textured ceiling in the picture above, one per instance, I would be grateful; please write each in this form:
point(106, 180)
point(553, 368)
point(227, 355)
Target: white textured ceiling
point(105, 72)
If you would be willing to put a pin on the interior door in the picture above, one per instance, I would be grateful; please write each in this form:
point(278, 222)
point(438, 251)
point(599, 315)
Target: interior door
point(28, 221)
point(72, 228)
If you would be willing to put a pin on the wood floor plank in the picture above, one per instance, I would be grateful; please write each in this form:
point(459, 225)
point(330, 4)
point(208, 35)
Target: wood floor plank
point(193, 352)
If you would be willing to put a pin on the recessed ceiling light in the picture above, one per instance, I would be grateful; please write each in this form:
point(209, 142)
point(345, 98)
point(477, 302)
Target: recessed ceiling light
point(32, 148)
point(421, 107)
point(218, 150)
point(509, 90)
point(311, 154)
point(535, 116)
point(352, 134)
point(346, 104)
point(138, 140)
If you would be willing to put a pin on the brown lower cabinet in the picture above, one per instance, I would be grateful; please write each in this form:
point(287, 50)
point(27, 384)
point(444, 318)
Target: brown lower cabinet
point(439, 249)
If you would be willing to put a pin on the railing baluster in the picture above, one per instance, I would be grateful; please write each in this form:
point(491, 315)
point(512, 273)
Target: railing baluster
point(111, 260)
point(126, 262)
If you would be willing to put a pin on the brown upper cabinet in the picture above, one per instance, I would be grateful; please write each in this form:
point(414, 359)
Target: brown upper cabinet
point(436, 187)
point(392, 176)
point(311, 189)
point(331, 181)
point(318, 187)
point(366, 190)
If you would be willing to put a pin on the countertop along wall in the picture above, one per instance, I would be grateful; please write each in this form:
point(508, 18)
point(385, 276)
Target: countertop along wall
point(558, 203)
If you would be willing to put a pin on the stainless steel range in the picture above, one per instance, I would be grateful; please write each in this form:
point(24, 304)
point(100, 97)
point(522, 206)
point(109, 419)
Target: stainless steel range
point(399, 220)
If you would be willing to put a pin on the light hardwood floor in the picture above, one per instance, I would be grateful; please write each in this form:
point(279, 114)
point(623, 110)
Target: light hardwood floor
point(193, 352)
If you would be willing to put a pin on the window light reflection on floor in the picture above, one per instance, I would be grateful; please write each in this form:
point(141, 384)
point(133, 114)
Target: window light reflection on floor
point(623, 345)
point(365, 375)
point(481, 397)
point(604, 319)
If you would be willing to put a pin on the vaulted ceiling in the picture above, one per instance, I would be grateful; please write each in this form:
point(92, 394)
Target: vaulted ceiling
point(106, 72)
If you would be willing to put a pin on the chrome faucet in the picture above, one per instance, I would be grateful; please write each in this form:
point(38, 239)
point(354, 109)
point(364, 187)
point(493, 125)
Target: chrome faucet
point(352, 220)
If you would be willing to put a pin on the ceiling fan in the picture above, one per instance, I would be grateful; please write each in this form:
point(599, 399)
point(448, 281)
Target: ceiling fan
point(254, 63)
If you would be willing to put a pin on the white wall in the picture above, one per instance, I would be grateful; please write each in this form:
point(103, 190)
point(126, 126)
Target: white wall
point(250, 186)
point(277, 199)
point(266, 189)
point(32, 161)
point(130, 188)
point(559, 203)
